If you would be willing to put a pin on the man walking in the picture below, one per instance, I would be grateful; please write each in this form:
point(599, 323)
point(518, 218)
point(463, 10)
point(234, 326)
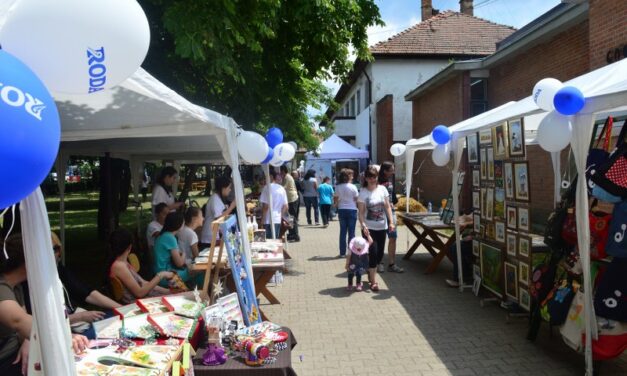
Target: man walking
point(292, 202)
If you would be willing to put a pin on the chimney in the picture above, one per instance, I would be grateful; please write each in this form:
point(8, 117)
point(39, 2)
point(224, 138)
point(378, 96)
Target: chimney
point(466, 7)
point(427, 10)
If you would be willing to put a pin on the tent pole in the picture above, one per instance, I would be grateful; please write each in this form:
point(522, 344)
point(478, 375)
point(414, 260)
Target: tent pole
point(456, 154)
point(60, 165)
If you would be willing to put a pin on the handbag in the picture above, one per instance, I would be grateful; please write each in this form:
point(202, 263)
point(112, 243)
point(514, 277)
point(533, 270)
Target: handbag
point(610, 299)
point(554, 308)
point(617, 243)
point(599, 230)
point(553, 236)
point(611, 175)
point(597, 156)
point(574, 326)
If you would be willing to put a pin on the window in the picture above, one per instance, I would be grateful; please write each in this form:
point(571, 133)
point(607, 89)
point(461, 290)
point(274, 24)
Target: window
point(478, 96)
point(358, 102)
point(352, 106)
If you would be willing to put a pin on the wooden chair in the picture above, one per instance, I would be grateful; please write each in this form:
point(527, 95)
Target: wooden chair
point(134, 261)
point(116, 288)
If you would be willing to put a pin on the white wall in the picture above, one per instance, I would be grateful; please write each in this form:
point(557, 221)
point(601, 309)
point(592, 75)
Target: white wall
point(344, 127)
point(362, 127)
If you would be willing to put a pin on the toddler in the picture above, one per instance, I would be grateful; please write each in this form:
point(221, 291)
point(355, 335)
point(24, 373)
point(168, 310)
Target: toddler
point(357, 261)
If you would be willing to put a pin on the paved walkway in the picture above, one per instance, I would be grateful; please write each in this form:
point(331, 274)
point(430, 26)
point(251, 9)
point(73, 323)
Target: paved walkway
point(414, 326)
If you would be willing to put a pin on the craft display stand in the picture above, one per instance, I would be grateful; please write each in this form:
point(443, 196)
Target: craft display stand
point(207, 291)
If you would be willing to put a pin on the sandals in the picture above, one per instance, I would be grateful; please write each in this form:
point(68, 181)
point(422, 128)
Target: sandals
point(374, 287)
point(350, 288)
point(359, 287)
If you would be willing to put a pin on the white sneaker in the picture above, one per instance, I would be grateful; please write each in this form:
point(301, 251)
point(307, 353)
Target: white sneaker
point(381, 268)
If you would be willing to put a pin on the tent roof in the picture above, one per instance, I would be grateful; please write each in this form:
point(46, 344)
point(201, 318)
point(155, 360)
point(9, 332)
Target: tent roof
point(336, 148)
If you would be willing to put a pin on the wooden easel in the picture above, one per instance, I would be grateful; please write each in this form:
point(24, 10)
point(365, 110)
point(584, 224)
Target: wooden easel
point(206, 291)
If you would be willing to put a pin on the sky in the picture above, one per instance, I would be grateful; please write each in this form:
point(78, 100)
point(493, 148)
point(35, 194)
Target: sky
point(399, 15)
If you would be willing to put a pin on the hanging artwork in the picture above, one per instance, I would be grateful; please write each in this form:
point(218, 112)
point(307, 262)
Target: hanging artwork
point(490, 156)
point(511, 215)
point(525, 299)
point(516, 138)
point(485, 137)
point(498, 174)
point(499, 228)
point(499, 138)
point(476, 201)
point(511, 280)
point(472, 142)
point(524, 246)
point(476, 223)
point(476, 178)
point(508, 180)
point(510, 243)
point(523, 273)
point(521, 181)
point(491, 269)
point(484, 202)
point(484, 164)
point(489, 204)
point(523, 219)
point(475, 248)
point(499, 203)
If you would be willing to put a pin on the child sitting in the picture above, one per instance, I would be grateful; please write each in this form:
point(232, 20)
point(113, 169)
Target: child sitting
point(357, 261)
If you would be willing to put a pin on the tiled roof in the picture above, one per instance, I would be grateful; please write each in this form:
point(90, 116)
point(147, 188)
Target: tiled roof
point(448, 33)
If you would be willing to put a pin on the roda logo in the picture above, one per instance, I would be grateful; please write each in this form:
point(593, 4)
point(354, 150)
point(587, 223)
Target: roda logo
point(97, 69)
point(15, 97)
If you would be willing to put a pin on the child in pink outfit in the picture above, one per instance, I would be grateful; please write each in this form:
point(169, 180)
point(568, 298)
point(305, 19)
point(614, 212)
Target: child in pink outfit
point(357, 261)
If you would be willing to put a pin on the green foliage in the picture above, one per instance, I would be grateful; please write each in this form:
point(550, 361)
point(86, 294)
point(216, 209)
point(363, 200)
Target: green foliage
point(261, 62)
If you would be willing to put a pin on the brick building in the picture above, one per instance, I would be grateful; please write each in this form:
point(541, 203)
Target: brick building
point(571, 39)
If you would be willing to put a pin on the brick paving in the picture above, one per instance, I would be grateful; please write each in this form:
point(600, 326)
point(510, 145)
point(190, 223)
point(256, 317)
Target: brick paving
point(414, 325)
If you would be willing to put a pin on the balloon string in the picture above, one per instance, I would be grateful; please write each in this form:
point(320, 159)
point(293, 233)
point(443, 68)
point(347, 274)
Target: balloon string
point(4, 244)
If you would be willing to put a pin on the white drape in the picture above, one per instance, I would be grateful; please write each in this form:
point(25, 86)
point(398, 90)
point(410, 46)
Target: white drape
point(45, 288)
point(557, 183)
point(60, 165)
point(457, 149)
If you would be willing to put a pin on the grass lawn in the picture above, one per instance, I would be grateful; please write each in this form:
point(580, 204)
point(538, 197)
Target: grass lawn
point(85, 254)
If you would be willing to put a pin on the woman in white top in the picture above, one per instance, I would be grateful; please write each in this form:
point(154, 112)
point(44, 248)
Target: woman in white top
point(162, 192)
point(374, 209)
point(345, 200)
point(216, 208)
point(154, 228)
point(310, 195)
point(187, 237)
point(279, 204)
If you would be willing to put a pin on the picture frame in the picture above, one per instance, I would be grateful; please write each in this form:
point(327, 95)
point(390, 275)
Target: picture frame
point(475, 247)
point(476, 200)
point(510, 272)
point(489, 206)
point(484, 164)
point(499, 141)
point(521, 181)
point(482, 231)
point(491, 269)
point(472, 144)
point(499, 229)
point(508, 180)
point(523, 219)
point(485, 137)
point(476, 286)
point(476, 223)
point(490, 231)
point(499, 203)
point(510, 244)
point(523, 273)
point(525, 299)
point(511, 217)
point(476, 178)
point(516, 138)
point(498, 174)
point(524, 246)
point(484, 201)
point(490, 165)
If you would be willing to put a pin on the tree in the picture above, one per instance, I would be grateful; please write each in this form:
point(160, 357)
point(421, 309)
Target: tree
point(261, 62)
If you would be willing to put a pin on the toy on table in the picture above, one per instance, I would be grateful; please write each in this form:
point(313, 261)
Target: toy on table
point(215, 354)
point(255, 353)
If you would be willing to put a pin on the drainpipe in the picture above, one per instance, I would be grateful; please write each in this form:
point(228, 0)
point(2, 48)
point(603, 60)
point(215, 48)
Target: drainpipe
point(369, 115)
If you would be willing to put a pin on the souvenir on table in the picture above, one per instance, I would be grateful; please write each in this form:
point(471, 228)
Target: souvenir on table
point(476, 178)
point(244, 283)
point(490, 165)
point(521, 181)
point(120, 370)
point(138, 327)
point(172, 325)
point(267, 257)
point(511, 280)
point(499, 141)
point(108, 328)
point(523, 273)
point(128, 310)
point(523, 219)
point(491, 269)
point(484, 164)
point(152, 305)
point(499, 203)
point(510, 244)
point(231, 308)
point(259, 236)
point(499, 229)
point(511, 215)
point(516, 138)
point(183, 304)
point(472, 143)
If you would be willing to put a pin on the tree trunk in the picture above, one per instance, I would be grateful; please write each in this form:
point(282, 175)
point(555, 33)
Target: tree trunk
point(208, 180)
point(125, 184)
point(105, 214)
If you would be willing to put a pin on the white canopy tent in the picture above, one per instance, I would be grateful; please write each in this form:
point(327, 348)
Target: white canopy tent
point(336, 148)
point(605, 90)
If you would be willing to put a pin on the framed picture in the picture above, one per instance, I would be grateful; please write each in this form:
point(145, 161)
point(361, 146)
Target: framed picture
point(485, 137)
point(523, 273)
point(489, 204)
point(499, 138)
point(476, 222)
point(499, 228)
point(498, 174)
point(475, 248)
point(476, 178)
point(525, 299)
point(484, 164)
point(472, 143)
point(508, 180)
point(484, 201)
point(476, 201)
point(521, 181)
point(523, 219)
point(490, 166)
point(499, 203)
point(524, 246)
point(491, 269)
point(516, 138)
point(511, 280)
point(510, 244)
point(511, 216)
point(482, 231)
point(490, 232)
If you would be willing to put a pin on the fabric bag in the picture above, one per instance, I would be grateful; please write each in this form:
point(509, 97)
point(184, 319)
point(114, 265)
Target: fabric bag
point(610, 300)
point(599, 221)
point(597, 156)
point(612, 339)
point(574, 327)
point(554, 308)
point(612, 174)
point(553, 236)
point(617, 242)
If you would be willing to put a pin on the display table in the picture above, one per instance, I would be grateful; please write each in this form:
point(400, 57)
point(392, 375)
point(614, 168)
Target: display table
point(425, 227)
point(236, 366)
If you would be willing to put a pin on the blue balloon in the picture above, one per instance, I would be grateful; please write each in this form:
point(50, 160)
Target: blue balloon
point(569, 100)
point(30, 128)
point(269, 156)
point(441, 135)
point(274, 136)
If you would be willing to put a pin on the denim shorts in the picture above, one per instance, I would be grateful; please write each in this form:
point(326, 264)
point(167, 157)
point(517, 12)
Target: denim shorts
point(393, 234)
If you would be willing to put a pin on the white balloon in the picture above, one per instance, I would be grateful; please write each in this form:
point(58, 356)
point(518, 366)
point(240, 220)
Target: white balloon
point(276, 161)
point(284, 151)
point(397, 150)
point(252, 147)
point(441, 155)
point(294, 145)
point(554, 132)
point(78, 46)
point(544, 92)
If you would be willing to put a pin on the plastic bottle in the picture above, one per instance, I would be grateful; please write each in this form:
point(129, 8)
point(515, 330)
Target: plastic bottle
point(430, 207)
point(255, 225)
point(249, 228)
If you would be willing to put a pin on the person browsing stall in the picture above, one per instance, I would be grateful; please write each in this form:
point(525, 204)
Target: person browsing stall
point(279, 204)
point(162, 192)
point(345, 199)
point(374, 209)
point(133, 285)
point(154, 227)
point(187, 237)
point(386, 179)
point(216, 208)
point(325, 193)
point(310, 195)
point(292, 202)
